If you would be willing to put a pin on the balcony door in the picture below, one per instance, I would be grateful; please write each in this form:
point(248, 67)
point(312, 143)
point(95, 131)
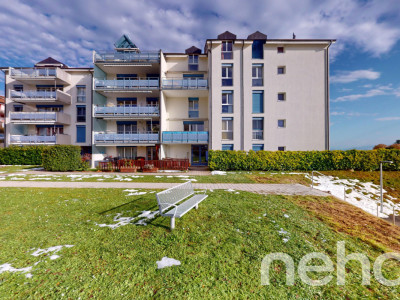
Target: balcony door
point(199, 155)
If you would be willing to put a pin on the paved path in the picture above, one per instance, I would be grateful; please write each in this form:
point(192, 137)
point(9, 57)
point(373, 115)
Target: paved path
point(279, 189)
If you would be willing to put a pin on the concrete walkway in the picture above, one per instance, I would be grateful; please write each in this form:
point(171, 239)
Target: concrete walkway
point(278, 189)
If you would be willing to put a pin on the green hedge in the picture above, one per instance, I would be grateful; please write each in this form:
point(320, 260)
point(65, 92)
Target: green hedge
point(303, 160)
point(27, 155)
point(62, 158)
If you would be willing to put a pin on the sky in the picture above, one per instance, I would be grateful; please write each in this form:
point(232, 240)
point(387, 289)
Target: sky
point(364, 62)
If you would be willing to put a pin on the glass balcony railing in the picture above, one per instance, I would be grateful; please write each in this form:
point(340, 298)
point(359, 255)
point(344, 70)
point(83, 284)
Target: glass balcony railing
point(121, 111)
point(33, 72)
point(32, 139)
point(187, 137)
point(33, 116)
point(127, 57)
point(126, 138)
point(127, 84)
point(184, 84)
point(33, 95)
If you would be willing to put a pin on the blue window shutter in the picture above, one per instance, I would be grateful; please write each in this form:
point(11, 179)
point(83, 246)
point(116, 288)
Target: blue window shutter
point(81, 134)
point(258, 102)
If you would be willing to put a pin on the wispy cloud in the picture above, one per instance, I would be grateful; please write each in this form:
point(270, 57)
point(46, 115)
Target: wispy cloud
point(388, 119)
point(351, 114)
point(351, 76)
point(377, 91)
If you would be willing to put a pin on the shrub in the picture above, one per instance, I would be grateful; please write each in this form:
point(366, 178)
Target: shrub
point(380, 146)
point(26, 155)
point(393, 146)
point(63, 158)
point(303, 160)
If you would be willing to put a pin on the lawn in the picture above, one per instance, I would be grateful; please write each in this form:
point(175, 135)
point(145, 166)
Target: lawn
point(220, 246)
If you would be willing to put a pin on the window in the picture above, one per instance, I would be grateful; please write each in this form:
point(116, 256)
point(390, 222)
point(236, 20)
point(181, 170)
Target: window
point(257, 49)
point(227, 70)
point(227, 128)
point(127, 102)
point(226, 52)
point(280, 50)
point(50, 108)
point(281, 70)
point(281, 96)
point(193, 125)
point(49, 88)
point(153, 126)
point(281, 123)
point(281, 148)
point(258, 102)
point(258, 128)
point(127, 152)
point(18, 87)
point(126, 76)
point(226, 147)
point(193, 62)
point(81, 93)
point(18, 108)
point(151, 152)
point(193, 107)
point(81, 134)
point(81, 113)
point(227, 102)
point(151, 101)
point(49, 130)
point(258, 147)
point(127, 127)
point(257, 74)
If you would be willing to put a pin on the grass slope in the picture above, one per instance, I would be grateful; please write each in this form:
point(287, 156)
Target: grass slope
point(220, 246)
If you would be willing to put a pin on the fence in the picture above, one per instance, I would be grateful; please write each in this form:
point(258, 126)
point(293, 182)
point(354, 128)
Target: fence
point(165, 164)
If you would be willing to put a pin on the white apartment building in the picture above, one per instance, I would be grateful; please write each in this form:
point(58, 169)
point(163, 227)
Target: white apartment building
point(48, 104)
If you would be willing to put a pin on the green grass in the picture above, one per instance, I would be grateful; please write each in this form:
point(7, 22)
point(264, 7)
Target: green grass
point(13, 169)
point(220, 246)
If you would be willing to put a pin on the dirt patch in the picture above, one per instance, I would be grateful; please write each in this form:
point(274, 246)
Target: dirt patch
point(280, 178)
point(346, 218)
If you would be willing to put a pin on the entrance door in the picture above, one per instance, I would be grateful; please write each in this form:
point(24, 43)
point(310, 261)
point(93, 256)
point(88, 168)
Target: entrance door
point(199, 155)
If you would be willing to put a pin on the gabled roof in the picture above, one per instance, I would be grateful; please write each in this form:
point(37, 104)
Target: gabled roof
point(50, 62)
point(193, 50)
point(257, 36)
point(227, 36)
point(124, 42)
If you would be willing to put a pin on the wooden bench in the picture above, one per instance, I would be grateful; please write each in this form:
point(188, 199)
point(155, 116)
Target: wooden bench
point(178, 200)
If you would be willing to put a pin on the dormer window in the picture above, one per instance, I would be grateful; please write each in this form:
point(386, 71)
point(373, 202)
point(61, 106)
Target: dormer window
point(226, 52)
point(193, 63)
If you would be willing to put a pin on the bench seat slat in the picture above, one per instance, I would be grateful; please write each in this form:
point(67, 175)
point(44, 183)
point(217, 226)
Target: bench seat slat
point(183, 208)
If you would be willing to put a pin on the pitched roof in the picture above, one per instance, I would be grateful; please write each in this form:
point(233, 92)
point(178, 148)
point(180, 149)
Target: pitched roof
point(49, 61)
point(257, 36)
point(124, 42)
point(193, 50)
point(227, 36)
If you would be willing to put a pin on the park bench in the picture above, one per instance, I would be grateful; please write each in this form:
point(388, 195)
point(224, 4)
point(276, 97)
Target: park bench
point(178, 200)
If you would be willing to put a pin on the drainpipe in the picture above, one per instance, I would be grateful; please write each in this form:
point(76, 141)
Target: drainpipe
point(327, 122)
point(209, 98)
point(241, 100)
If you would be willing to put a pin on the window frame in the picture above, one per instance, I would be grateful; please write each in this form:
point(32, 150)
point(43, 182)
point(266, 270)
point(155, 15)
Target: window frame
point(280, 49)
point(193, 107)
point(225, 70)
point(283, 148)
point(257, 145)
point(228, 98)
point(283, 70)
point(252, 101)
point(81, 97)
point(259, 75)
point(228, 131)
point(284, 97)
point(225, 52)
point(79, 116)
point(80, 126)
point(257, 134)
point(284, 123)
point(193, 64)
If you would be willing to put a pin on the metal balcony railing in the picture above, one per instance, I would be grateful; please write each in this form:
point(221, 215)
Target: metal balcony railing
point(127, 57)
point(32, 139)
point(126, 138)
point(33, 116)
point(33, 95)
point(178, 137)
point(121, 111)
point(185, 84)
point(33, 72)
point(127, 84)
point(258, 134)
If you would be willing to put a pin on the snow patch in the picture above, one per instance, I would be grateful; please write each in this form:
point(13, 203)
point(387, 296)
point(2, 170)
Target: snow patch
point(9, 268)
point(167, 262)
point(53, 249)
point(218, 173)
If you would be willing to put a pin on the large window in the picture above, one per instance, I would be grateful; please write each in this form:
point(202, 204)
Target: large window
point(257, 49)
point(227, 71)
point(152, 101)
point(18, 87)
point(193, 62)
point(258, 147)
point(50, 108)
point(127, 127)
point(81, 93)
point(81, 134)
point(258, 102)
point(126, 76)
point(226, 147)
point(127, 152)
point(81, 113)
point(227, 102)
point(193, 107)
point(127, 102)
point(49, 130)
point(257, 74)
point(227, 128)
point(49, 88)
point(226, 52)
point(258, 128)
point(193, 125)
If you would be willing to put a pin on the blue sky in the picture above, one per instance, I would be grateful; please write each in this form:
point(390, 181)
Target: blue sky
point(365, 61)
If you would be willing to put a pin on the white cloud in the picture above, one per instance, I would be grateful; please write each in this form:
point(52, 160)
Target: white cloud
point(351, 76)
point(388, 119)
point(351, 114)
point(377, 91)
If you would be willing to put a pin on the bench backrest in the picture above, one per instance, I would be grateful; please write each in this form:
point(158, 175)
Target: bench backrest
point(167, 198)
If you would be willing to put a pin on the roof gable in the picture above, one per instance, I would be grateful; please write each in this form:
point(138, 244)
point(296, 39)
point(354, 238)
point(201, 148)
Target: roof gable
point(257, 36)
point(50, 62)
point(124, 42)
point(193, 50)
point(227, 36)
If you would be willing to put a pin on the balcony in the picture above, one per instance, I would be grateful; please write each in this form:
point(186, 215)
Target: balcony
point(59, 139)
point(185, 137)
point(127, 57)
point(113, 139)
point(120, 112)
point(39, 118)
point(37, 97)
point(184, 84)
point(42, 75)
point(140, 84)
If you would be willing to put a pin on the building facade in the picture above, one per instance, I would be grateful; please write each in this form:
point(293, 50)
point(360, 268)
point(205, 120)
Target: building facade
point(48, 104)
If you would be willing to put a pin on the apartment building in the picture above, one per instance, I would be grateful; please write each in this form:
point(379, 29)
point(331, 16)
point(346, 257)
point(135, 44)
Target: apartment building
point(48, 104)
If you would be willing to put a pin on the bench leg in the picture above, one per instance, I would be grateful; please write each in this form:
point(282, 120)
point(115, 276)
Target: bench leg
point(197, 206)
point(172, 223)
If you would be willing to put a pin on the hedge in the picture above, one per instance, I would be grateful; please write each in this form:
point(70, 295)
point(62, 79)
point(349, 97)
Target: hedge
point(362, 160)
point(62, 158)
point(27, 155)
